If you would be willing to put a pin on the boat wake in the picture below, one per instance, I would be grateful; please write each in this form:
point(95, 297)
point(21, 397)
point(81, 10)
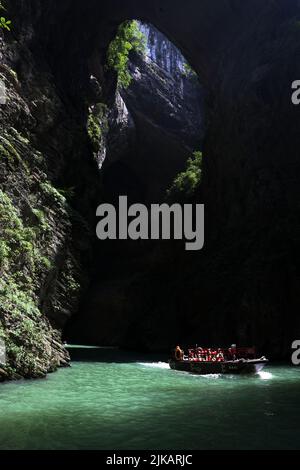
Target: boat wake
point(265, 375)
point(209, 376)
point(158, 365)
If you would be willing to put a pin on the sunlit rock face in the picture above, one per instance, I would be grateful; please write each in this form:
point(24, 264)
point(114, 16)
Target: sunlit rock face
point(165, 105)
point(162, 52)
point(167, 90)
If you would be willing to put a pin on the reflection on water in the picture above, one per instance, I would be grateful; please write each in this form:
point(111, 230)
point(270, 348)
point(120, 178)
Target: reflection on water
point(142, 404)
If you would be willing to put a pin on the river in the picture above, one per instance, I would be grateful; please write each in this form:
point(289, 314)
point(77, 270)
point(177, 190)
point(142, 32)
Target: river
point(139, 403)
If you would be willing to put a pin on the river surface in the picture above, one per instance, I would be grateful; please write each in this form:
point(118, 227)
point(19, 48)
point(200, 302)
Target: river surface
point(131, 402)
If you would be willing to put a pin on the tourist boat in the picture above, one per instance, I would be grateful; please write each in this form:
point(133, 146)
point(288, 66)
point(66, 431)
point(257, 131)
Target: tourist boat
point(205, 361)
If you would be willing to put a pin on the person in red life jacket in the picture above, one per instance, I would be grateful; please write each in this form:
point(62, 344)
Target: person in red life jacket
point(209, 355)
point(179, 353)
point(200, 354)
point(232, 352)
point(205, 355)
point(194, 355)
point(220, 356)
point(214, 355)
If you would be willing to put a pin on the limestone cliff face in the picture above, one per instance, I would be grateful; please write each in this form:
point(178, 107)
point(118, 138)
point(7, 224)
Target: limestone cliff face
point(43, 236)
point(158, 121)
point(166, 90)
point(244, 286)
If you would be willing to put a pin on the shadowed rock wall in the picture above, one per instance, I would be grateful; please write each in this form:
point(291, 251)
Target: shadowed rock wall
point(245, 285)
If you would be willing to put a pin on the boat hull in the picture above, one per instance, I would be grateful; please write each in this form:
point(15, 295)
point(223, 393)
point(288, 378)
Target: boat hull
point(228, 367)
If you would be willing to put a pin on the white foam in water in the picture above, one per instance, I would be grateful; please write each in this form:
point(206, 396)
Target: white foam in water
point(159, 365)
point(165, 365)
point(210, 376)
point(265, 375)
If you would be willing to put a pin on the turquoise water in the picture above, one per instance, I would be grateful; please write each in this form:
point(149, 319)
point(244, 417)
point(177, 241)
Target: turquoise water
point(145, 405)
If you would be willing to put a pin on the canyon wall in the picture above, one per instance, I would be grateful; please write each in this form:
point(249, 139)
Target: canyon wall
point(154, 126)
point(244, 286)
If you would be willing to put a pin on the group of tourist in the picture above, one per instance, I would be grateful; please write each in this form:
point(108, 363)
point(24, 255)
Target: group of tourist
point(207, 355)
point(199, 354)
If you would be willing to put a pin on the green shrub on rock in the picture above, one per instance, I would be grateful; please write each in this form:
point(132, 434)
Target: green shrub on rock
point(97, 125)
point(4, 23)
point(186, 183)
point(129, 38)
point(94, 131)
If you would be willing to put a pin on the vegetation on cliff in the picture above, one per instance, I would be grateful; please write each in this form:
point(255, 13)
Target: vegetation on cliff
point(189, 72)
point(29, 248)
point(22, 264)
point(97, 125)
point(128, 39)
point(187, 182)
point(4, 23)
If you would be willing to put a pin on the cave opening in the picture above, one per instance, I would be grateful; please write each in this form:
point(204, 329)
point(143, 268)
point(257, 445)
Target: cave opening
point(154, 134)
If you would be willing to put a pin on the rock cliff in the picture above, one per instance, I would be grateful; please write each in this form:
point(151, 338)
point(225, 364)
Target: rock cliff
point(156, 122)
point(244, 286)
